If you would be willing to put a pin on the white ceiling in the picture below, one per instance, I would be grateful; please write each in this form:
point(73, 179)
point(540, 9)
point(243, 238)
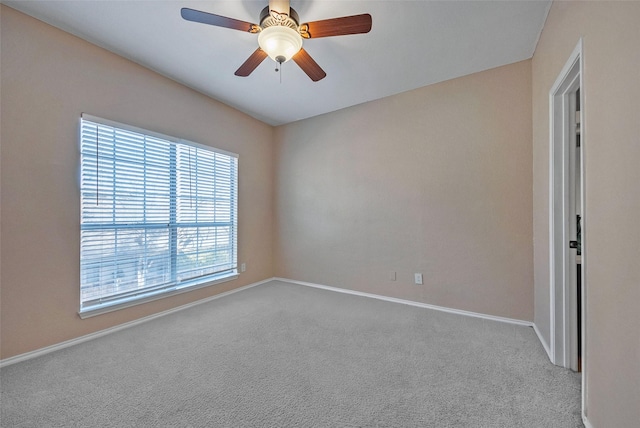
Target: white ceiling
point(411, 44)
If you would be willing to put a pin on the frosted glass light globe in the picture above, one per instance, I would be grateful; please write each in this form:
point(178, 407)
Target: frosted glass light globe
point(279, 42)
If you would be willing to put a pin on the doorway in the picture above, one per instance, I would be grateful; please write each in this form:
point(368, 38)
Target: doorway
point(567, 218)
point(567, 203)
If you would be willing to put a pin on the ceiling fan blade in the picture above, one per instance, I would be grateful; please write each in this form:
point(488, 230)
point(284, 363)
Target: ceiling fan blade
point(251, 63)
point(279, 6)
point(217, 20)
point(355, 24)
point(309, 66)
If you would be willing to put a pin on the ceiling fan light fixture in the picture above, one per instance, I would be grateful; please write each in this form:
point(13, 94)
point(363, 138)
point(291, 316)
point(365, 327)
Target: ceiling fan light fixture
point(280, 34)
point(281, 43)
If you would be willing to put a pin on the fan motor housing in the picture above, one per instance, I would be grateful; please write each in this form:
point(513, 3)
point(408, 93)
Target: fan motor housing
point(268, 19)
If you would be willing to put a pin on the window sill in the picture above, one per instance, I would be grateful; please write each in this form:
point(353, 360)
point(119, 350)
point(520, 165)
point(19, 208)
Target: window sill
point(104, 308)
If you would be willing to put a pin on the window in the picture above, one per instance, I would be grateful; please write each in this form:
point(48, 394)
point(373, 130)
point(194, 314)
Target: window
point(159, 215)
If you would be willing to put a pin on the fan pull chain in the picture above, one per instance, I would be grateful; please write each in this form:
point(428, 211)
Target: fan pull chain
point(279, 60)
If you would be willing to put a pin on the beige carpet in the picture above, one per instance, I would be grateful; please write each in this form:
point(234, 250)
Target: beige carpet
point(284, 355)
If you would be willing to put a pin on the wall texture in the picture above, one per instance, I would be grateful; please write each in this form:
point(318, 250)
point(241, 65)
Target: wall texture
point(611, 145)
point(435, 180)
point(48, 78)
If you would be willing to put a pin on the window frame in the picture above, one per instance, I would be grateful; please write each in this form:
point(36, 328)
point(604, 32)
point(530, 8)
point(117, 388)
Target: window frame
point(93, 307)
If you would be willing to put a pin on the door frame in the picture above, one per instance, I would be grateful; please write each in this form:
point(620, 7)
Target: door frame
point(563, 300)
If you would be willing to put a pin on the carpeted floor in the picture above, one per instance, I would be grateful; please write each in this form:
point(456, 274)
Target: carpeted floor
point(284, 355)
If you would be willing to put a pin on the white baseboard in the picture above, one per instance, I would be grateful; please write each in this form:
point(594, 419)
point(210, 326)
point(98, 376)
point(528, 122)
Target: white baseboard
point(46, 350)
point(586, 422)
point(410, 303)
point(544, 343)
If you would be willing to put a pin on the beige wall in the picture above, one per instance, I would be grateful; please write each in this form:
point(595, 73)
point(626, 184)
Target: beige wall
point(611, 34)
point(48, 78)
point(436, 180)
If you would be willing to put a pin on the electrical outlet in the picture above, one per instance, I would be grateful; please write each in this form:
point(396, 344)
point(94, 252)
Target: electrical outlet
point(243, 267)
point(392, 275)
point(418, 278)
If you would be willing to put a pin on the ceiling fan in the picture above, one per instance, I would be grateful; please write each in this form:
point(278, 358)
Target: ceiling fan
point(280, 34)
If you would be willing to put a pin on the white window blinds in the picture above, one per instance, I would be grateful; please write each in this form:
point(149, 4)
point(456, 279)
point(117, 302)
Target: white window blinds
point(158, 214)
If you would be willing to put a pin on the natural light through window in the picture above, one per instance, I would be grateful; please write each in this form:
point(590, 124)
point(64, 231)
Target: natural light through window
point(159, 215)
